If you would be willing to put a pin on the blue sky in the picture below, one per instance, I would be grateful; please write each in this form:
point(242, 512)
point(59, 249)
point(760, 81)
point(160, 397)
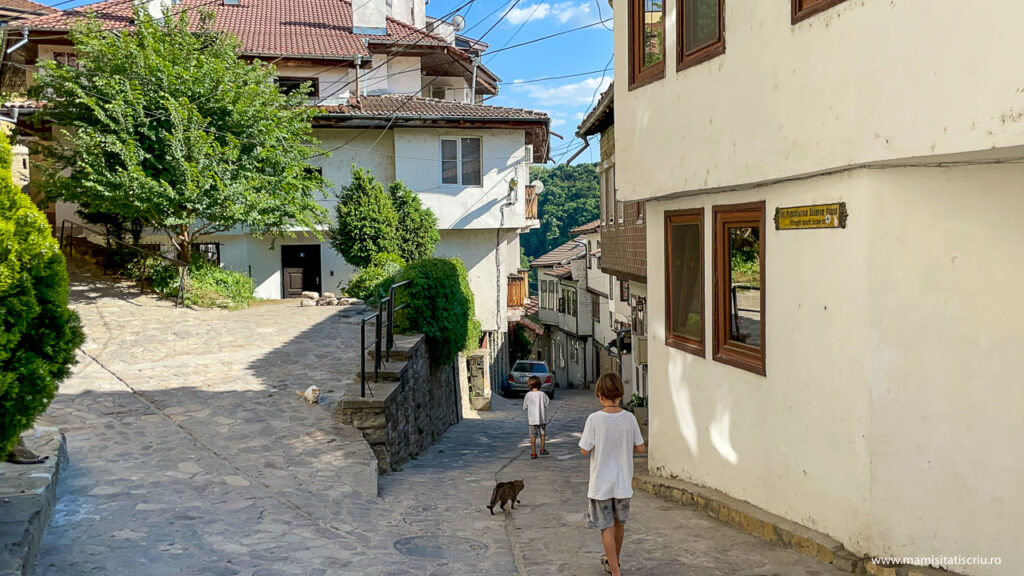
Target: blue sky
point(588, 50)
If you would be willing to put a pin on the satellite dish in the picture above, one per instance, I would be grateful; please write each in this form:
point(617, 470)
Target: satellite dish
point(459, 23)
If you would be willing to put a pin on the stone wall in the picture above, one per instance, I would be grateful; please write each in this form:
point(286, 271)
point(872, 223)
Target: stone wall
point(411, 411)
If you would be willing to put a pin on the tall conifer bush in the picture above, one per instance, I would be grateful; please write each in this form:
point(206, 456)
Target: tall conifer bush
point(38, 333)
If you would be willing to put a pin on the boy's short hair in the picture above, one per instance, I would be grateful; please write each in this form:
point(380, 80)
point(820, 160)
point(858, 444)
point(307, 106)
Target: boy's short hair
point(609, 386)
point(534, 383)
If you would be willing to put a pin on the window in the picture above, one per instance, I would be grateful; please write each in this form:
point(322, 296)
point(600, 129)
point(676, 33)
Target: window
point(641, 211)
point(684, 280)
point(209, 250)
point(803, 9)
point(595, 308)
point(66, 58)
point(624, 291)
point(561, 303)
point(739, 286)
point(701, 31)
point(289, 84)
point(461, 161)
point(638, 320)
point(590, 261)
point(646, 42)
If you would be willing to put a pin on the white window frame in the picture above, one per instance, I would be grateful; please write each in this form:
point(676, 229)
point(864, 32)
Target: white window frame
point(458, 148)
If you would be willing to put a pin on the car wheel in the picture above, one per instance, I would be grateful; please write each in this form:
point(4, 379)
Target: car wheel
point(551, 395)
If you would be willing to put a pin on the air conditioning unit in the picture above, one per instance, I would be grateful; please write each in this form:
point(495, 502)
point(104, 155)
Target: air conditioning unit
point(640, 351)
point(438, 92)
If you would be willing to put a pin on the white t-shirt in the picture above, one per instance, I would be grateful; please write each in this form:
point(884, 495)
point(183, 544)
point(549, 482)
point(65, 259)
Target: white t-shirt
point(610, 439)
point(536, 405)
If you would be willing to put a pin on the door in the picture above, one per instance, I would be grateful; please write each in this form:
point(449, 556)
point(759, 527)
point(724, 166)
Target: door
point(300, 266)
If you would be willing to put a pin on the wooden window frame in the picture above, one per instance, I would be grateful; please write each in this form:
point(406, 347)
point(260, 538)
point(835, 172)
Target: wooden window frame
point(638, 74)
point(697, 347)
point(727, 351)
point(799, 15)
point(704, 53)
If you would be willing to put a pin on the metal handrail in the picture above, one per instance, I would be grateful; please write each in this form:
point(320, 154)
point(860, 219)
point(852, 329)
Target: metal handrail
point(384, 336)
point(179, 301)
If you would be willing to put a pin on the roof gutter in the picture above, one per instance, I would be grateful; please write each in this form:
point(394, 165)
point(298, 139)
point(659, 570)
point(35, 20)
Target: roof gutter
point(387, 119)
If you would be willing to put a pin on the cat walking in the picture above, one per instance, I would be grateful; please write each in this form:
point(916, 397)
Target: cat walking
point(506, 492)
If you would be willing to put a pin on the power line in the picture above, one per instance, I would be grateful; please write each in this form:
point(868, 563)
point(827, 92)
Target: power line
point(549, 36)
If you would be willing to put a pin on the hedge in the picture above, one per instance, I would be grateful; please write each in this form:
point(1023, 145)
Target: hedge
point(38, 333)
point(440, 307)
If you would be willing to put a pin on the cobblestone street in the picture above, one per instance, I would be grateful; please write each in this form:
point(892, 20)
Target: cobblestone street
point(191, 454)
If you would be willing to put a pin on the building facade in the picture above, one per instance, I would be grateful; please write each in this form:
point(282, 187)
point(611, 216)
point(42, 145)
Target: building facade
point(399, 95)
point(831, 193)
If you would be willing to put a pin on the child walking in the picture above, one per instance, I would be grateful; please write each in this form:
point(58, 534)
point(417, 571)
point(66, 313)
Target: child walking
point(536, 405)
point(610, 437)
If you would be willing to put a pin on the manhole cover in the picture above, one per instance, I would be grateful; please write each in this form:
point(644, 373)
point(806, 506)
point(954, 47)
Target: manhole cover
point(440, 547)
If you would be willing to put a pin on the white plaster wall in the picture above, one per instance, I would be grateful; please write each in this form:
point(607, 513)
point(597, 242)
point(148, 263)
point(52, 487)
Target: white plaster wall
point(466, 207)
point(889, 401)
point(946, 398)
point(405, 76)
point(375, 80)
point(261, 258)
point(795, 442)
point(364, 151)
point(336, 83)
point(865, 81)
point(477, 250)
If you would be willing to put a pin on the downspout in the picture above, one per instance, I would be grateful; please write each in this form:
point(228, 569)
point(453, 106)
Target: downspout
point(472, 92)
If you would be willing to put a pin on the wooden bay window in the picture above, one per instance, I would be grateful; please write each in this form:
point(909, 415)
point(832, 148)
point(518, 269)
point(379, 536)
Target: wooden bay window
point(646, 42)
point(739, 313)
point(684, 280)
point(701, 31)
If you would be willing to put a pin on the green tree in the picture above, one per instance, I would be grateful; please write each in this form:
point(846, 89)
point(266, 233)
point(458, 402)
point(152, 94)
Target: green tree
point(167, 126)
point(372, 221)
point(366, 220)
point(572, 196)
point(440, 306)
point(417, 226)
point(38, 333)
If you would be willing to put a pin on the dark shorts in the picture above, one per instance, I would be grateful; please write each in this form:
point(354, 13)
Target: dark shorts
point(538, 430)
point(602, 514)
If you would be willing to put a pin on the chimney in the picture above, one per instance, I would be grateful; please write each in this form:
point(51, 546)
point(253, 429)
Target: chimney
point(412, 12)
point(369, 17)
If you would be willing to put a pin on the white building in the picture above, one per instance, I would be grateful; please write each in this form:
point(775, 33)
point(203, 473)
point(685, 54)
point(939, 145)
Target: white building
point(832, 201)
point(398, 98)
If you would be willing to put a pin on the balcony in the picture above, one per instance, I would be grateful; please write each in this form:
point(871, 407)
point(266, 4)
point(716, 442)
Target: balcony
point(532, 203)
point(517, 290)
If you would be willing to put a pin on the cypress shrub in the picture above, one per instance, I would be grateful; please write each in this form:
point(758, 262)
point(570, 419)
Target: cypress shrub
point(440, 306)
point(38, 333)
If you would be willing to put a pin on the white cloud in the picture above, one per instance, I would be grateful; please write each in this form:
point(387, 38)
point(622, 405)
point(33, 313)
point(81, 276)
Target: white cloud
point(582, 93)
point(562, 11)
point(556, 121)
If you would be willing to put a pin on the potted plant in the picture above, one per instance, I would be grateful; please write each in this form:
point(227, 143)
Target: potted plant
point(638, 405)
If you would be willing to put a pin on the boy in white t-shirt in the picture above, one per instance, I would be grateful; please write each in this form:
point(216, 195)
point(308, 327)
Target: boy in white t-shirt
point(610, 437)
point(536, 405)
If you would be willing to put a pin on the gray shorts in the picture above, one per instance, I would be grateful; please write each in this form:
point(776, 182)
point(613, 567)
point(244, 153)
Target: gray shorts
point(602, 514)
point(538, 430)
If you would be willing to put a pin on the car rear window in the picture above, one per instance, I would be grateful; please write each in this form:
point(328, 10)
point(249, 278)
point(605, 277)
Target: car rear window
point(534, 367)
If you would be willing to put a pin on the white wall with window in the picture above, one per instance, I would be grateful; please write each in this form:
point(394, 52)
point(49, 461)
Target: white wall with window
point(441, 166)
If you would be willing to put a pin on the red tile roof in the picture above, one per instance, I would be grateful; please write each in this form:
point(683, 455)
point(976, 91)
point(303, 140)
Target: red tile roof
point(569, 251)
point(531, 326)
point(600, 116)
point(587, 228)
point(561, 272)
point(406, 106)
point(26, 6)
point(321, 28)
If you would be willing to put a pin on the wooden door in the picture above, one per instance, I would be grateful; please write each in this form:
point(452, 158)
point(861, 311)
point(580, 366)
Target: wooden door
point(293, 282)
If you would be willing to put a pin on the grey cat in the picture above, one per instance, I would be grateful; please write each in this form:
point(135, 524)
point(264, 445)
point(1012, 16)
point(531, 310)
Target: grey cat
point(506, 492)
point(22, 455)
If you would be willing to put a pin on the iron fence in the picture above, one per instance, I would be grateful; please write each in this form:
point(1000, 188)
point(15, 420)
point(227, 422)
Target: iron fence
point(383, 339)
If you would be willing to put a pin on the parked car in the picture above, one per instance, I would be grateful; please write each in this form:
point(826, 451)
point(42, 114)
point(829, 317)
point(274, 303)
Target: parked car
point(519, 378)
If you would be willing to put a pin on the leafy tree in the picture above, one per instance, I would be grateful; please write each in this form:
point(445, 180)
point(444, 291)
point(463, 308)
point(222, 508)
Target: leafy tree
point(417, 226)
point(371, 221)
point(367, 220)
point(572, 196)
point(38, 333)
point(166, 125)
point(440, 306)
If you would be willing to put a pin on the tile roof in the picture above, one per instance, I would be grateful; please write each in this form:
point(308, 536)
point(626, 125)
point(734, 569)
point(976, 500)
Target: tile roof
point(321, 28)
point(387, 104)
point(587, 228)
point(531, 326)
point(602, 115)
point(561, 272)
point(568, 251)
point(26, 6)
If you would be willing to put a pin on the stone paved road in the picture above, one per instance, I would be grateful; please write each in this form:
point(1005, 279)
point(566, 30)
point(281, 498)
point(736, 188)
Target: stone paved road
point(191, 454)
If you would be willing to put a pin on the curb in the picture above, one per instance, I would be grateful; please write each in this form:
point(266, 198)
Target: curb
point(28, 495)
point(771, 528)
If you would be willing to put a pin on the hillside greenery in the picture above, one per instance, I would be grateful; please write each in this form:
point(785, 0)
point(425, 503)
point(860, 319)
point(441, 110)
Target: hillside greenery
point(571, 197)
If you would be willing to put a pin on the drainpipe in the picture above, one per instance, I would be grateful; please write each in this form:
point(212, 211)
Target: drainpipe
point(472, 92)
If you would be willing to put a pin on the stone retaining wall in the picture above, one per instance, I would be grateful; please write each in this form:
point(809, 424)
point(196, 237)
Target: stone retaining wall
point(411, 411)
point(28, 494)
